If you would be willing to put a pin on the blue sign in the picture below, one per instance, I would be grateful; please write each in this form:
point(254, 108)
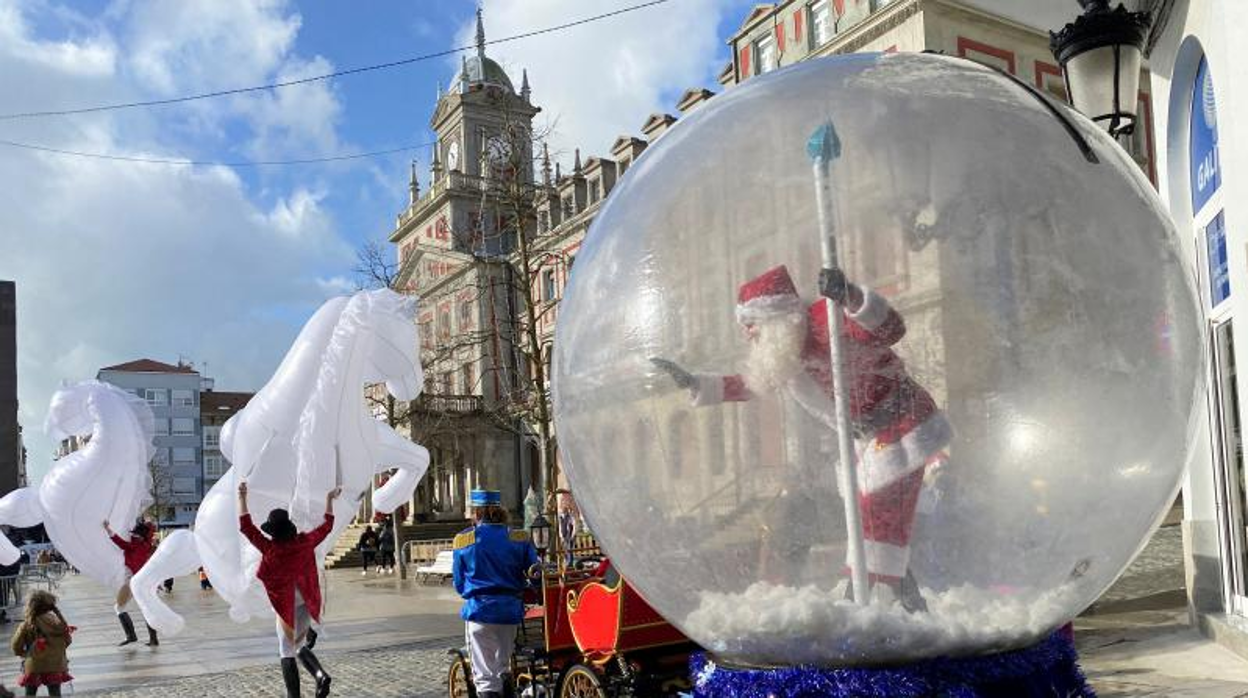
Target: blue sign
point(1219, 270)
point(1206, 169)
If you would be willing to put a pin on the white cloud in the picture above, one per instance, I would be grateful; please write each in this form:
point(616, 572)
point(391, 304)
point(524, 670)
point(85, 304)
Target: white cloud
point(117, 261)
point(601, 80)
point(202, 45)
point(94, 56)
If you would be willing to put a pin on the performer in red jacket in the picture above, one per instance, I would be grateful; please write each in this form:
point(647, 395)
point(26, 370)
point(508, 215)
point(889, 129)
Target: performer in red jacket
point(289, 572)
point(136, 552)
point(900, 430)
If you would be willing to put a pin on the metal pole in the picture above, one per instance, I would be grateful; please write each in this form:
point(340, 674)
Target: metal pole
point(823, 147)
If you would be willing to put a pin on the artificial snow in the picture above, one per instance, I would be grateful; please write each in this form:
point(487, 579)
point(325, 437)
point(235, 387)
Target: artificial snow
point(777, 624)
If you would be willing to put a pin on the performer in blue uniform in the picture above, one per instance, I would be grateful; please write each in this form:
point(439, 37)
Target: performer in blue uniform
point(490, 569)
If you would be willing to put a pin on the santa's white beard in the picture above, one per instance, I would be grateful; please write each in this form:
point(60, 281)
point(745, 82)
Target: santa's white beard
point(776, 352)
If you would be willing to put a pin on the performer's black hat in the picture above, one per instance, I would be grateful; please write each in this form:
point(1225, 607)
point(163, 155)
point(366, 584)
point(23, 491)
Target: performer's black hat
point(279, 526)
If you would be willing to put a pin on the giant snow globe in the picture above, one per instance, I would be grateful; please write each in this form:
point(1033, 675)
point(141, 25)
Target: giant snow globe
point(948, 444)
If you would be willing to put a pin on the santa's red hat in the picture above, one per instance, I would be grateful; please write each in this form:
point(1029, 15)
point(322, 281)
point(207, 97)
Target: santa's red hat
point(768, 295)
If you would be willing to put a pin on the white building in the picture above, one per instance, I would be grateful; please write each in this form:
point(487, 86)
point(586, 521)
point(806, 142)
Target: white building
point(1201, 86)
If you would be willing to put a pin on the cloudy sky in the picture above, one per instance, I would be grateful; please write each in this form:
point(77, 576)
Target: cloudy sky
point(221, 265)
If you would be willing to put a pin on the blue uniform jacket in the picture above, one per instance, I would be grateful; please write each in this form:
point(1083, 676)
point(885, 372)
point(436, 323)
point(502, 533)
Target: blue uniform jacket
point(489, 572)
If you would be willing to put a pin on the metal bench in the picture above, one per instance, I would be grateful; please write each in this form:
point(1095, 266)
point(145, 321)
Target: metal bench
point(443, 567)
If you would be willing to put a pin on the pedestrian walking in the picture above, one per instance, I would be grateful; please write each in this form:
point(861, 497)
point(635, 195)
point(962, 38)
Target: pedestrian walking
point(204, 582)
point(368, 547)
point(42, 640)
point(385, 546)
point(490, 572)
point(136, 552)
point(288, 570)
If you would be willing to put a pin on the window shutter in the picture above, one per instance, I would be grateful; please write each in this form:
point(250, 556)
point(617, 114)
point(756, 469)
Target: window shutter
point(797, 24)
point(745, 61)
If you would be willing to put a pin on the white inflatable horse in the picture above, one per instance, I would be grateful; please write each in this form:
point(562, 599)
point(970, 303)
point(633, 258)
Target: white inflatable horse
point(307, 431)
point(108, 479)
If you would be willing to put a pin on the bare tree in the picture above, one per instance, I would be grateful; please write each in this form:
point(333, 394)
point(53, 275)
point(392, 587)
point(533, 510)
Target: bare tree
point(160, 489)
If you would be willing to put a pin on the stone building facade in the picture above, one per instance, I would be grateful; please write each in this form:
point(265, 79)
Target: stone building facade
point(771, 36)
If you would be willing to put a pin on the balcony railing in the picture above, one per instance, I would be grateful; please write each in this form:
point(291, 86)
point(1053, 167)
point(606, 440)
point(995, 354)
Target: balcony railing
point(450, 404)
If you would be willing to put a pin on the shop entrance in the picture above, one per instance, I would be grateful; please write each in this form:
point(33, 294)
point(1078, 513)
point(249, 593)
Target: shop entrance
point(1227, 432)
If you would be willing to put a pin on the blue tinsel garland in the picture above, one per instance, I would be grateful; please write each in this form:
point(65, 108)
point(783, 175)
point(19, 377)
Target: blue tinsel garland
point(1046, 670)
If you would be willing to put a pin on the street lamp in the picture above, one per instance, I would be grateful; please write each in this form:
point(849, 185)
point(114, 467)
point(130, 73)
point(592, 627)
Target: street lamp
point(539, 530)
point(1100, 54)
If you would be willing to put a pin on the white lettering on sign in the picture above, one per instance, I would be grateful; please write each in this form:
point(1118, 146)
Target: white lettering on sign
point(1208, 170)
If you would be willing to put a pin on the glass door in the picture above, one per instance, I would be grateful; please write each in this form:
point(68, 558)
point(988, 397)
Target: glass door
point(1232, 486)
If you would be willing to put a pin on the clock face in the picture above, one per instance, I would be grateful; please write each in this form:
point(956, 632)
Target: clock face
point(452, 156)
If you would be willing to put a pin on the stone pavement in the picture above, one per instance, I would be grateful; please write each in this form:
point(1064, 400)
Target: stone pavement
point(387, 638)
point(412, 670)
point(383, 637)
point(1136, 640)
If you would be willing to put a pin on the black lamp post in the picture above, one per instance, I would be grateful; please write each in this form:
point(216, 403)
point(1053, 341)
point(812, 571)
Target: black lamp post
point(1100, 54)
point(539, 530)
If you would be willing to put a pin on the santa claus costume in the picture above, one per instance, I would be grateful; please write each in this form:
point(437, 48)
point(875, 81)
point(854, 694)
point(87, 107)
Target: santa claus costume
point(900, 430)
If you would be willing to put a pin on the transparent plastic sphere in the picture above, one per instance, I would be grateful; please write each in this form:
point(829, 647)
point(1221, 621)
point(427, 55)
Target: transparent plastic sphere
point(1022, 363)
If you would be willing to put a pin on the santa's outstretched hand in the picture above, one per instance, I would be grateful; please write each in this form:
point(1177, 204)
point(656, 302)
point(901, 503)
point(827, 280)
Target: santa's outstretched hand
point(834, 286)
point(680, 376)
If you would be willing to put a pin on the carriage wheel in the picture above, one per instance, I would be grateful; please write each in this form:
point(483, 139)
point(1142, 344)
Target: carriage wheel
point(579, 681)
point(459, 678)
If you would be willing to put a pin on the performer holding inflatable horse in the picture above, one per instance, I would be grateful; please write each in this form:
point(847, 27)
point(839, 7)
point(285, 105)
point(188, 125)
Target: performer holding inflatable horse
point(105, 480)
point(308, 431)
point(288, 569)
point(137, 550)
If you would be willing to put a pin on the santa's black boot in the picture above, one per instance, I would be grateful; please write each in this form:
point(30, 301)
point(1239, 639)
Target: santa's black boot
point(911, 599)
point(127, 626)
point(152, 640)
point(290, 675)
point(313, 665)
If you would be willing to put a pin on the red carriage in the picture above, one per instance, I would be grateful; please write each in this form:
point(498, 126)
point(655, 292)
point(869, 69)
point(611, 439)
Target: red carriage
point(588, 634)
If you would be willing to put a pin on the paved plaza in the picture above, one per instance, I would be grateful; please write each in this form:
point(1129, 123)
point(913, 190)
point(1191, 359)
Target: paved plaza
point(388, 638)
point(383, 637)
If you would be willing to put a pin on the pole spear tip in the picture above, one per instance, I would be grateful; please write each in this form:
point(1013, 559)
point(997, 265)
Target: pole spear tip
point(824, 145)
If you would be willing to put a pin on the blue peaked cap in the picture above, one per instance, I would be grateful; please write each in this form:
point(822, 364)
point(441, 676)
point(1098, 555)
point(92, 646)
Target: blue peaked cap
point(485, 498)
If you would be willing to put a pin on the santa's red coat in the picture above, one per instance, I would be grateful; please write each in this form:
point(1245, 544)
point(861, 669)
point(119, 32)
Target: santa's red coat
point(289, 565)
point(136, 551)
point(903, 429)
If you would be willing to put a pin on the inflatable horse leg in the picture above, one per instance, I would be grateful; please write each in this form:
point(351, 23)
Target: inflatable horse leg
point(410, 458)
point(176, 556)
point(21, 509)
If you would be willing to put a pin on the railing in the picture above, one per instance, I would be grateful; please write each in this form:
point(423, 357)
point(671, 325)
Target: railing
point(47, 574)
point(416, 552)
point(10, 598)
point(449, 180)
point(454, 404)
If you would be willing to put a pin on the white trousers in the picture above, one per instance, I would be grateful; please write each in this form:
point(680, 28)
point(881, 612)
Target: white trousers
point(303, 620)
point(489, 648)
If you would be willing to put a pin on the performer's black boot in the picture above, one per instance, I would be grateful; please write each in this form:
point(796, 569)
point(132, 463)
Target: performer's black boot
point(152, 640)
point(310, 639)
point(128, 627)
point(290, 675)
point(313, 665)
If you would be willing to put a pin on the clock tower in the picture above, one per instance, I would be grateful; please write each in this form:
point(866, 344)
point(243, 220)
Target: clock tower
point(454, 253)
